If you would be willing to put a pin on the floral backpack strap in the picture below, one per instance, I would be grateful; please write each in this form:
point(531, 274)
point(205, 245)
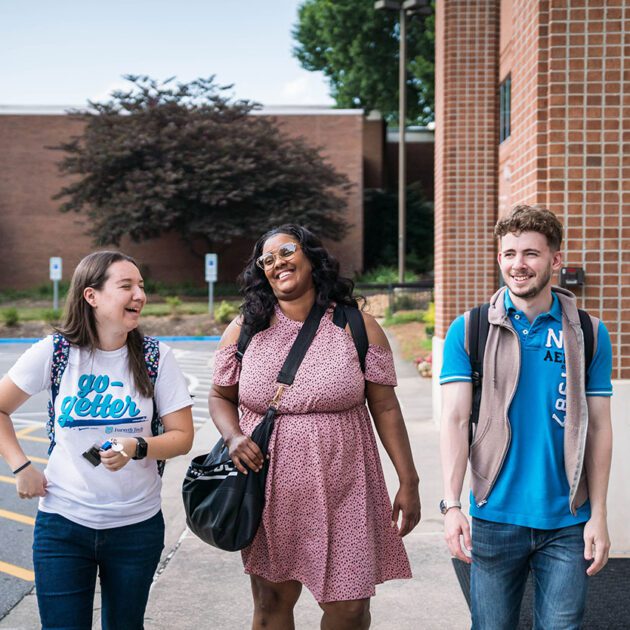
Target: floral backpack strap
point(152, 360)
point(61, 352)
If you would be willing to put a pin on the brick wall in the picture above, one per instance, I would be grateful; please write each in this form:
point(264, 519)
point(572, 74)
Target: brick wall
point(467, 58)
point(32, 229)
point(568, 148)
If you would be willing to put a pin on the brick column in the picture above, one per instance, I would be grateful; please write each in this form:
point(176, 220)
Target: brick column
point(465, 155)
point(466, 139)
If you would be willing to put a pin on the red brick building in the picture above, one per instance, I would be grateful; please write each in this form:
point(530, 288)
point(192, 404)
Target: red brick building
point(533, 107)
point(32, 229)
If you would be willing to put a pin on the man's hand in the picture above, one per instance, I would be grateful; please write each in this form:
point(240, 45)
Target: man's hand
point(596, 535)
point(455, 526)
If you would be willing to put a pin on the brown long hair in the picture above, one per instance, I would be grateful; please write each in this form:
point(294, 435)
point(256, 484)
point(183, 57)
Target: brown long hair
point(78, 324)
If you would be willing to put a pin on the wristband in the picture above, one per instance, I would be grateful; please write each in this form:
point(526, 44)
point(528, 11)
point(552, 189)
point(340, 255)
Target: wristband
point(22, 467)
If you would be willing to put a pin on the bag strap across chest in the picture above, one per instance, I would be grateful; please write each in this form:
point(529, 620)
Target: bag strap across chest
point(342, 315)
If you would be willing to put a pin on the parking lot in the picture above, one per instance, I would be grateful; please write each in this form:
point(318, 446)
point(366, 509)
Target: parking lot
point(17, 516)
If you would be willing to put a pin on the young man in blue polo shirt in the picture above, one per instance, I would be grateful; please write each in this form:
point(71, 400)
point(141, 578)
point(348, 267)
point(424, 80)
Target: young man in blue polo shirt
point(540, 456)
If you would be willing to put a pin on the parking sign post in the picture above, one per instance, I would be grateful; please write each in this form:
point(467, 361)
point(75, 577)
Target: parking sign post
point(55, 276)
point(211, 278)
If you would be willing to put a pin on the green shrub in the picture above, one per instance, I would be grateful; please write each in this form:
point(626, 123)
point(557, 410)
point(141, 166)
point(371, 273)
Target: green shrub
point(10, 316)
point(51, 315)
point(404, 317)
point(225, 312)
point(404, 302)
point(384, 275)
point(428, 316)
point(173, 303)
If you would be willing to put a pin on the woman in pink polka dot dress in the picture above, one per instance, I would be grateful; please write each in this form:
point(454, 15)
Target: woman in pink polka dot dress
point(328, 522)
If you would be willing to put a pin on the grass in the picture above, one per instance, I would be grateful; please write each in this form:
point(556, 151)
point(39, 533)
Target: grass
point(403, 317)
point(43, 313)
point(153, 289)
point(412, 332)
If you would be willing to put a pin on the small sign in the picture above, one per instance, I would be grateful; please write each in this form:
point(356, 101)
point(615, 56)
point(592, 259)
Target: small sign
point(211, 268)
point(55, 268)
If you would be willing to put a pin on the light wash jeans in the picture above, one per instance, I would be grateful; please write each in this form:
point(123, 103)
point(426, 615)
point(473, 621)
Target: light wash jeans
point(503, 555)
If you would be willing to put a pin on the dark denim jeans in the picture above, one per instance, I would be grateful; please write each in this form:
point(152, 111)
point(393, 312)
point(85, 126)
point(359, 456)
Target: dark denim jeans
point(502, 557)
point(66, 557)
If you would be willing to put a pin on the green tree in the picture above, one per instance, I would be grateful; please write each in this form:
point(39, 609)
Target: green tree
point(187, 158)
point(381, 229)
point(357, 47)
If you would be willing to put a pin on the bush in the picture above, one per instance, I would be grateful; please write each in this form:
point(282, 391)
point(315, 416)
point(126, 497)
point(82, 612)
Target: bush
point(173, 303)
point(225, 312)
point(428, 317)
point(381, 229)
point(51, 315)
point(404, 317)
point(10, 316)
point(384, 275)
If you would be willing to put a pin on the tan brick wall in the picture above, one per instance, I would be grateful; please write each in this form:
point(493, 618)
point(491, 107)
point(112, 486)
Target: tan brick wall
point(32, 229)
point(467, 62)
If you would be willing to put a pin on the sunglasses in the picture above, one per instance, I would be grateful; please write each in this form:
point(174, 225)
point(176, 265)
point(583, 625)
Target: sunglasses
point(284, 252)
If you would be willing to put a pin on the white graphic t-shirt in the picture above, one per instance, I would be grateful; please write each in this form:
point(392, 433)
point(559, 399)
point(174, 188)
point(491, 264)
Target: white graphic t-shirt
point(97, 401)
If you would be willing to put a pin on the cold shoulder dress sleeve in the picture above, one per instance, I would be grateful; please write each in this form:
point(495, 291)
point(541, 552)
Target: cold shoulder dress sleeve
point(327, 517)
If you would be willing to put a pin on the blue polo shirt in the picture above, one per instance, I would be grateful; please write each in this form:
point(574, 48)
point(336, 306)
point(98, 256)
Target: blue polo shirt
point(532, 489)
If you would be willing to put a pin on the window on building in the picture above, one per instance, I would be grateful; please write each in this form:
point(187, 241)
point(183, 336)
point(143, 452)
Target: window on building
point(505, 108)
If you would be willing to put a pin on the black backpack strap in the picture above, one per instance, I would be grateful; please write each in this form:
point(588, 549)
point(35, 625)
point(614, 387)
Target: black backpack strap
point(589, 339)
point(339, 316)
point(301, 344)
point(344, 314)
point(244, 338)
point(359, 334)
point(478, 326)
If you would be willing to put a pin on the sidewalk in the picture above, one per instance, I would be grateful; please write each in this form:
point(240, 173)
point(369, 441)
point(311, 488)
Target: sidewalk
point(199, 587)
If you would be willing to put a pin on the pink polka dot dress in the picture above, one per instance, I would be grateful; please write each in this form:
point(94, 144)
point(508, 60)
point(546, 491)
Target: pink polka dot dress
point(327, 516)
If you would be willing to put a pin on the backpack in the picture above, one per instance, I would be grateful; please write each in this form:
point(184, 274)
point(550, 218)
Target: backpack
point(477, 332)
point(342, 315)
point(61, 352)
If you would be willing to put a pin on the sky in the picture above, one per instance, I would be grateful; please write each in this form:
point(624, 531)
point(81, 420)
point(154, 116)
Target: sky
point(64, 52)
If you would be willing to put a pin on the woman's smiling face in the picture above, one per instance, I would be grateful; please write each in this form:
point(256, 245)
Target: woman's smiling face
point(118, 304)
point(290, 277)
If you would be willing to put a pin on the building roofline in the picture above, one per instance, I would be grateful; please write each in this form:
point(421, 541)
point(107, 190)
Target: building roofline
point(267, 110)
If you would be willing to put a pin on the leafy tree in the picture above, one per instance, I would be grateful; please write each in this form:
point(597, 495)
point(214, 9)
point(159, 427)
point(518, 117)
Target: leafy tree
point(188, 158)
point(381, 229)
point(357, 48)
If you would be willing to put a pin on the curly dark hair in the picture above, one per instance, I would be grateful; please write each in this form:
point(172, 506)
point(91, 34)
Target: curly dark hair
point(258, 298)
point(525, 218)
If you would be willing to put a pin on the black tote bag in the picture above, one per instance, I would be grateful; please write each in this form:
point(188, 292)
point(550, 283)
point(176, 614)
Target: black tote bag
point(223, 506)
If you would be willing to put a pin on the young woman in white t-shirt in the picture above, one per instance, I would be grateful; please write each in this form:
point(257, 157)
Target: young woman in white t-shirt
point(94, 516)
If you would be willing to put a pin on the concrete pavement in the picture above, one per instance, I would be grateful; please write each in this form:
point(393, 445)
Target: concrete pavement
point(199, 587)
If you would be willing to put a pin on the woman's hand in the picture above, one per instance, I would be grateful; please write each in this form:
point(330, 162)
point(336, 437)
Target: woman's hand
point(30, 483)
point(245, 452)
point(407, 501)
point(115, 459)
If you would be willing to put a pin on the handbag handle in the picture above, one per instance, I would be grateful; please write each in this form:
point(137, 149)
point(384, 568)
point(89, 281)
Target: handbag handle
point(298, 351)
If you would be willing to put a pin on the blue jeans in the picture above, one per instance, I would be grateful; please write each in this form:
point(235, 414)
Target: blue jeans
point(503, 555)
point(66, 557)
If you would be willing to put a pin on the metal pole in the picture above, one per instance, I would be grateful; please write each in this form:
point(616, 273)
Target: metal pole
point(211, 299)
point(56, 295)
point(402, 166)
